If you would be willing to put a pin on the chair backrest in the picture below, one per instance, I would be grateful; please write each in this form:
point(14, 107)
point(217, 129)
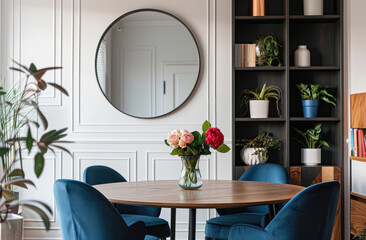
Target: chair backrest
point(310, 214)
point(94, 175)
point(85, 214)
point(268, 172)
point(101, 174)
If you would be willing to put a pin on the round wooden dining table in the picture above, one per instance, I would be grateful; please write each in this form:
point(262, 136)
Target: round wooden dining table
point(213, 194)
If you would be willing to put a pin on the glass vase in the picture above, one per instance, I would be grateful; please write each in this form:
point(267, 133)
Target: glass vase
point(190, 178)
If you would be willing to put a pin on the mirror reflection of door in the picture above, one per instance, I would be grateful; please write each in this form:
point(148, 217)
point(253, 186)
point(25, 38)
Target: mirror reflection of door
point(179, 79)
point(147, 63)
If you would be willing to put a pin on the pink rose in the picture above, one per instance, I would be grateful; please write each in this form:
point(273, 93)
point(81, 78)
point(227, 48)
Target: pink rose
point(186, 136)
point(182, 144)
point(214, 137)
point(173, 138)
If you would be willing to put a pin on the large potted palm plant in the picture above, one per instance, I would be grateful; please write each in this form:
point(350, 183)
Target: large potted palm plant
point(18, 109)
point(259, 100)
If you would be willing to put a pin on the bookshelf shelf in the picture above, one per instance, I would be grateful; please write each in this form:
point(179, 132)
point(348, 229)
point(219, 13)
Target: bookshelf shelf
point(315, 68)
point(264, 19)
point(318, 119)
point(260, 68)
point(315, 19)
point(260, 119)
point(361, 159)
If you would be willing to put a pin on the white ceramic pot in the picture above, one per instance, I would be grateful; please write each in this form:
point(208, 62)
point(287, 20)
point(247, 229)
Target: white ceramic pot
point(12, 228)
point(311, 156)
point(250, 159)
point(258, 108)
point(302, 56)
point(313, 7)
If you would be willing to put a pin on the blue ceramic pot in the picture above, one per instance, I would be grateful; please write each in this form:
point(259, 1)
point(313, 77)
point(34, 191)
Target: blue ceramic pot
point(310, 108)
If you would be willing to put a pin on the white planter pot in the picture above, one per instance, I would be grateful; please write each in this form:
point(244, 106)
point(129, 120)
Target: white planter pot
point(313, 7)
point(12, 228)
point(250, 159)
point(311, 156)
point(258, 108)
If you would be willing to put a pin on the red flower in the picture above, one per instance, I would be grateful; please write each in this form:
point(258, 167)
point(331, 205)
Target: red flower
point(214, 137)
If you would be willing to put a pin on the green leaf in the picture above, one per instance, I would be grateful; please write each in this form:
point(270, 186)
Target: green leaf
point(20, 182)
point(32, 68)
point(41, 213)
point(197, 139)
point(166, 143)
point(63, 90)
point(38, 164)
point(177, 151)
point(324, 143)
point(205, 126)
point(193, 150)
point(16, 173)
point(4, 151)
point(223, 148)
point(29, 140)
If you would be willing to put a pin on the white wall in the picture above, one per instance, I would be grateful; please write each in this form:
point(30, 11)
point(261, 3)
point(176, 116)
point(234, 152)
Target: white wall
point(66, 33)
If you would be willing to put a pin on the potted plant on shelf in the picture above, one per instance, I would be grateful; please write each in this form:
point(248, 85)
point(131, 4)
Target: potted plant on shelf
point(259, 100)
point(312, 143)
point(255, 151)
point(310, 95)
point(190, 146)
point(267, 51)
point(18, 109)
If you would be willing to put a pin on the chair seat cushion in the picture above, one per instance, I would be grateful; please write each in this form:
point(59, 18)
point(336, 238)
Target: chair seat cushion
point(148, 237)
point(218, 227)
point(155, 226)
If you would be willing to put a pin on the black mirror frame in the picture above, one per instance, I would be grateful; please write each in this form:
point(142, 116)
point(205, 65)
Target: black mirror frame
point(146, 10)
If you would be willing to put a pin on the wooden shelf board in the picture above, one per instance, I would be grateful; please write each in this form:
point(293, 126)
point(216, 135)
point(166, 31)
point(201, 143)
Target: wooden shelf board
point(261, 19)
point(314, 19)
point(315, 68)
point(260, 68)
point(319, 119)
point(357, 195)
point(260, 119)
point(361, 159)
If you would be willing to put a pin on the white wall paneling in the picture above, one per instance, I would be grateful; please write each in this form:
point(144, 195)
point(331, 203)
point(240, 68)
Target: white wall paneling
point(66, 33)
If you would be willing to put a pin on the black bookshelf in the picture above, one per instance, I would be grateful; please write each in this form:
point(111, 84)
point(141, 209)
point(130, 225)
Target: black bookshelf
point(324, 37)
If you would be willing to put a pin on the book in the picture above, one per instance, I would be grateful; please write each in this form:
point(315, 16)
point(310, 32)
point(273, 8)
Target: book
point(236, 55)
point(243, 51)
point(352, 143)
point(250, 55)
point(355, 142)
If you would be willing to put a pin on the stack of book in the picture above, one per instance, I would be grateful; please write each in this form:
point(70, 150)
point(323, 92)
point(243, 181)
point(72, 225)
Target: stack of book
point(245, 55)
point(358, 148)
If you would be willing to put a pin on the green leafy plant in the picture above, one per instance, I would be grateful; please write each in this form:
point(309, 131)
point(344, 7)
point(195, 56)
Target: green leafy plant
point(311, 137)
point(268, 51)
point(266, 93)
point(262, 143)
point(18, 109)
point(315, 92)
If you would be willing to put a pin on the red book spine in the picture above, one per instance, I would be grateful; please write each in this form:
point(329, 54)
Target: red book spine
point(361, 146)
point(355, 139)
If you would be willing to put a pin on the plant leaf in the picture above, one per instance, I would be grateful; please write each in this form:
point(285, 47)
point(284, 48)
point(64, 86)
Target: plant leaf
point(223, 148)
point(29, 141)
point(205, 126)
point(40, 212)
point(16, 173)
point(63, 90)
point(20, 182)
point(38, 164)
point(4, 151)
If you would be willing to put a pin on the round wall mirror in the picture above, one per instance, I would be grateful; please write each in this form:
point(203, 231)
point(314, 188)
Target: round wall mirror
point(147, 63)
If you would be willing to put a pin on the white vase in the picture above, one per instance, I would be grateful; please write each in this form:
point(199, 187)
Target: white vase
point(302, 56)
point(258, 108)
point(311, 156)
point(313, 7)
point(250, 159)
point(12, 228)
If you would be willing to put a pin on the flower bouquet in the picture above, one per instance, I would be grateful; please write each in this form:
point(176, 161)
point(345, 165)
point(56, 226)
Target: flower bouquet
point(190, 146)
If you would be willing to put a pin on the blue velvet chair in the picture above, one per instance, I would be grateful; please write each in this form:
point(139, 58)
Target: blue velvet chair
point(130, 213)
point(85, 214)
point(217, 228)
point(309, 215)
